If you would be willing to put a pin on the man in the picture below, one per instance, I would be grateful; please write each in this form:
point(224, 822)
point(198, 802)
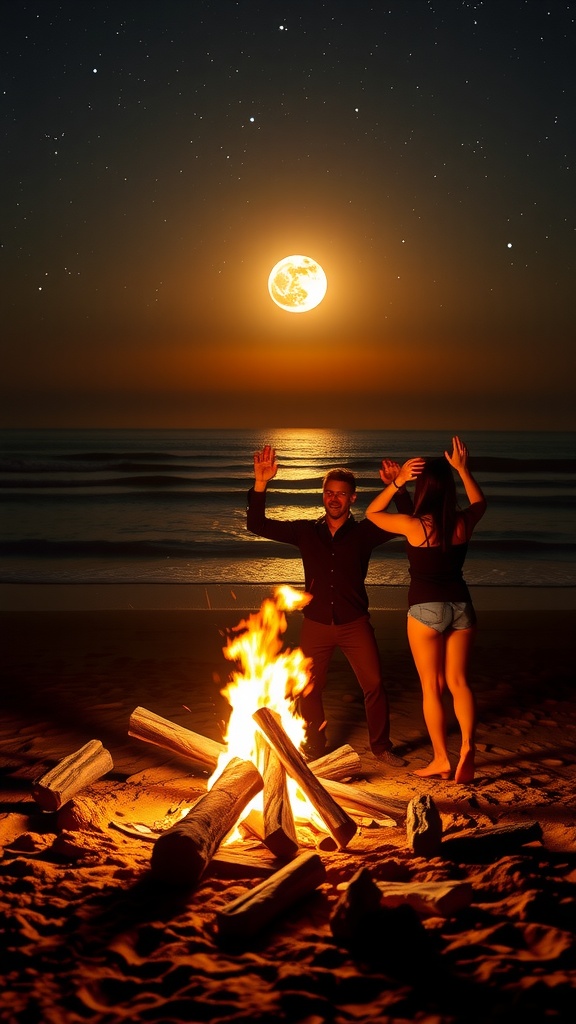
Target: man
point(335, 552)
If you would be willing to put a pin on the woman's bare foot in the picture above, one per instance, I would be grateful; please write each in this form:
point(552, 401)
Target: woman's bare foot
point(465, 769)
point(439, 769)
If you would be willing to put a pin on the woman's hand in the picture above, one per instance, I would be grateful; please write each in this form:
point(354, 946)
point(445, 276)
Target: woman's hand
point(459, 457)
point(409, 471)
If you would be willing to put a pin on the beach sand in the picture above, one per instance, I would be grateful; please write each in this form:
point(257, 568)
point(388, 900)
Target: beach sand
point(90, 934)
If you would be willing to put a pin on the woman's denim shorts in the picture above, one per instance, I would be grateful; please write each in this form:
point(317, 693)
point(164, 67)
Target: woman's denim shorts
point(443, 615)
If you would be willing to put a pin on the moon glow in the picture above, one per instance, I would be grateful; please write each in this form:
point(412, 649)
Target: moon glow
point(297, 284)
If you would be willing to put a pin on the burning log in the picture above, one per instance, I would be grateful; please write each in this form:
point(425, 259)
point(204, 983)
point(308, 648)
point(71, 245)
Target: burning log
point(342, 763)
point(279, 829)
point(72, 774)
point(255, 909)
point(337, 821)
point(145, 725)
point(252, 825)
point(364, 801)
point(150, 728)
point(182, 853)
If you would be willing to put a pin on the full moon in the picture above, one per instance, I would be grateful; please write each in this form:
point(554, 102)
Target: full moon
point(297, 284)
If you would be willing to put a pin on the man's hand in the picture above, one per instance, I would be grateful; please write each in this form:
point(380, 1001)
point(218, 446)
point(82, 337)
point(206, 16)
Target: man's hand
point(389, 471)
point(265, 466)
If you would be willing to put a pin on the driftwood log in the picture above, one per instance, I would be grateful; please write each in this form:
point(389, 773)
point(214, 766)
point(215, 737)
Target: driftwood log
point(252, 827)
point(278, 820)
point(71, 774)
point(181, 855)
point(429, 899)
point(145, 725)
point(234, 864)
point(365, 802)
point(339, 764)
point(255, 909)
point(490, 843)
point(337, 821)
point(342, 763)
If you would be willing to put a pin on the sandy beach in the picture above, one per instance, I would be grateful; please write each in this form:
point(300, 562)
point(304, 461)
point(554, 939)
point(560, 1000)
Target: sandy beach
point(89, 932)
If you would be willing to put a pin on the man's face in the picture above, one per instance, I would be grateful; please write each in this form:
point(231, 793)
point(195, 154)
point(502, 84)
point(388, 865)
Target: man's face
point(337, 498)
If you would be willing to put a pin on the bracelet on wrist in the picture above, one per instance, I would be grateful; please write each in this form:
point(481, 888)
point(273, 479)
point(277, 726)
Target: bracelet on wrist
point(397, 486)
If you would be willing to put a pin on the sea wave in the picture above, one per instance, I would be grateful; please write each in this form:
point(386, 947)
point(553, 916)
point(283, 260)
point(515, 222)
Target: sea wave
point(65, 483)
point(161, 505)
point(127, 462)
point(43, 548)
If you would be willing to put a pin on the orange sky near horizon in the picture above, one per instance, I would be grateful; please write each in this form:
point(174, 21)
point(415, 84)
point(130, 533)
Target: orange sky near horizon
point(379, 349)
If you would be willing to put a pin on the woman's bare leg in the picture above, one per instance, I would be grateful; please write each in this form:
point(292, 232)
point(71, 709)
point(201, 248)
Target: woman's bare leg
point(458, 646)
point(427, 647)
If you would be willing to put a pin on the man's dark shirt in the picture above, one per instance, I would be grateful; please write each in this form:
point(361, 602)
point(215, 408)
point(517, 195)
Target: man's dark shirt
point(335, 567)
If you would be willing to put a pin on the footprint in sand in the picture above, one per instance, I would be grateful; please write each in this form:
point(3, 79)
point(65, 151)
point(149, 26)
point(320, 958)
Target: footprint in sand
point(490, 748)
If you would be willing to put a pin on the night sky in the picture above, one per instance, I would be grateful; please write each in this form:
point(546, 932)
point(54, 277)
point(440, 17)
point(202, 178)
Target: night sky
point(160, 156)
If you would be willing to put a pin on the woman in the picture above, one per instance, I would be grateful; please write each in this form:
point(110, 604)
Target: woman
point(441, 617)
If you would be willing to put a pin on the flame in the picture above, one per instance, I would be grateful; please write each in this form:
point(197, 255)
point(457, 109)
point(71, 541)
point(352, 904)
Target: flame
point(267, 676)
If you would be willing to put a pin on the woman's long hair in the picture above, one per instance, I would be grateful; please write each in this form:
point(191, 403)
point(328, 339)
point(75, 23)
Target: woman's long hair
point(435, 496)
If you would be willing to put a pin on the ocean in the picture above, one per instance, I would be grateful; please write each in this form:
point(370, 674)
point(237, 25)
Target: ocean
point(168, 506)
